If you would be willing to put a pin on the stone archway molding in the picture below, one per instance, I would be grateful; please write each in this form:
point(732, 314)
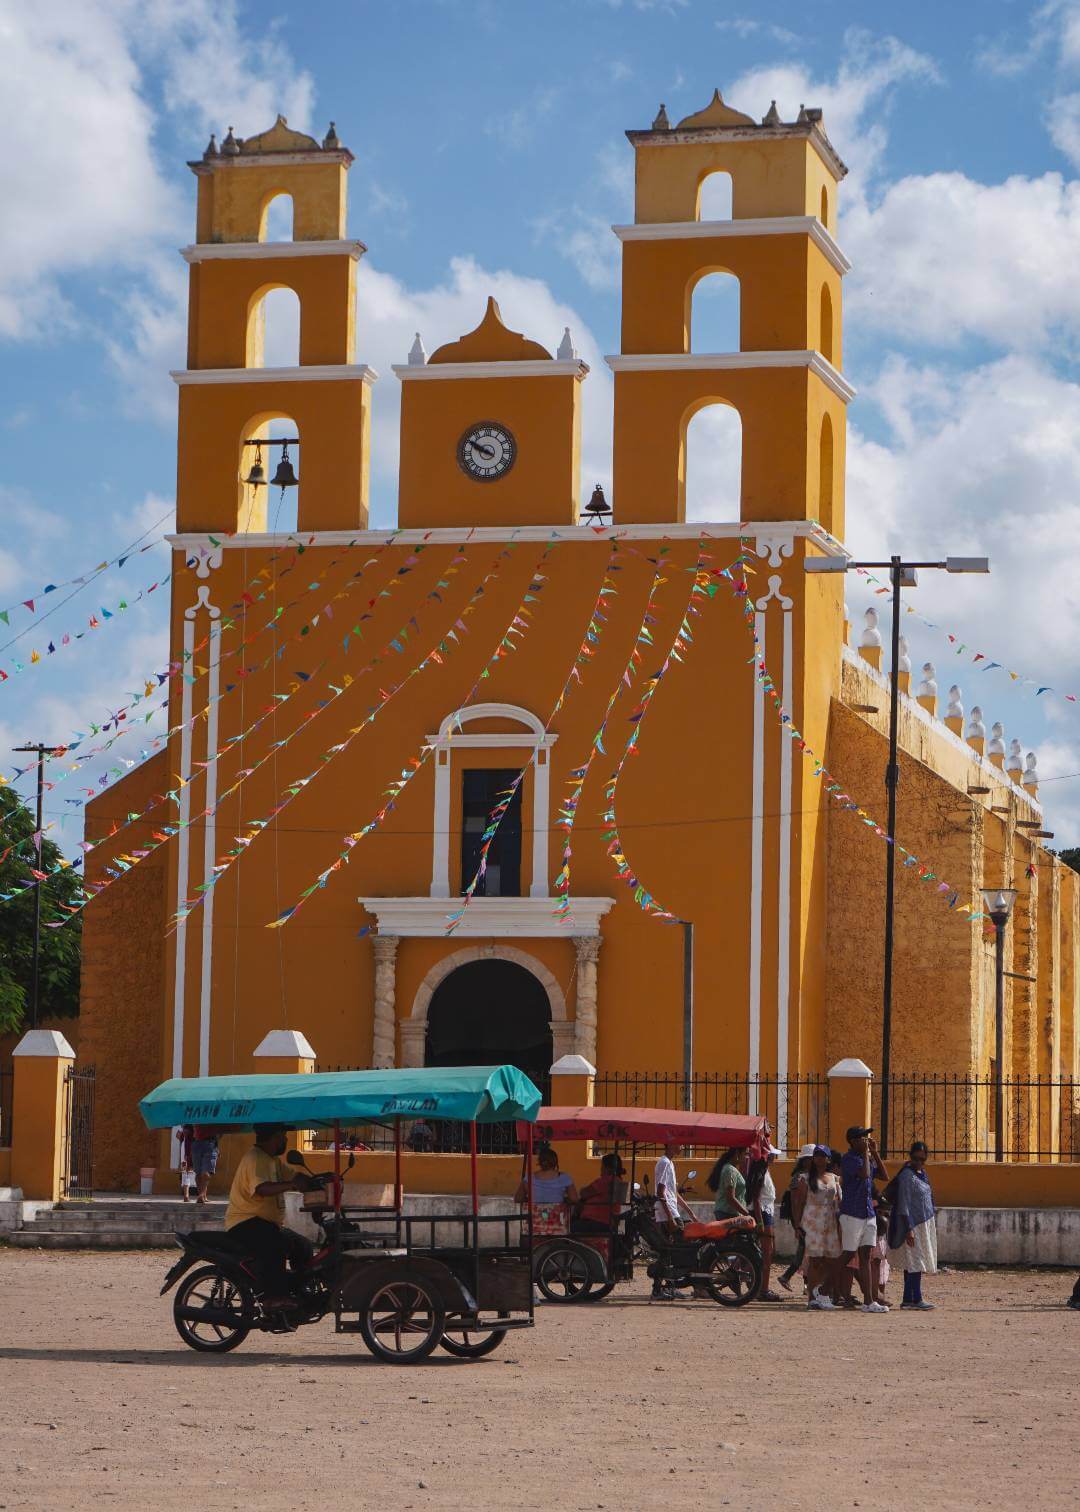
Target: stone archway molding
point(414, 1028)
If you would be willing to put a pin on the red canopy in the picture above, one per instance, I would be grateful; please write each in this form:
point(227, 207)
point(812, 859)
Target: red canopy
point(652, 1126)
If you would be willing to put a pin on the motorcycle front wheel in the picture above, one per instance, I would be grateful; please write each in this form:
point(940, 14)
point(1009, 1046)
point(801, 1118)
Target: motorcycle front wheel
point(734, 1275)
point(212, 1313)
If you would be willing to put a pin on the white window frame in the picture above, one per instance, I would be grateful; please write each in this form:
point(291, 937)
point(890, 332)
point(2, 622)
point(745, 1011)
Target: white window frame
point(451, 736)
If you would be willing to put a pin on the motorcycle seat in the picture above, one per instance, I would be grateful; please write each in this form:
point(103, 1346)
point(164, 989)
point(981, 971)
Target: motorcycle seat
point(221, 1243)
point(718, 1228)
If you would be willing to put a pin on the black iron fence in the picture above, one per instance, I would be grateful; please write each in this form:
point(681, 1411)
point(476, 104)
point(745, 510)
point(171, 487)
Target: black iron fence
point(956, 1116)
point(77, 1171)
point(425, 1136)
point(7, 1095)
point(797, 1107)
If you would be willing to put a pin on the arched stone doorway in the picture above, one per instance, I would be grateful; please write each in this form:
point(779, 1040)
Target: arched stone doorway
point(488, 1013)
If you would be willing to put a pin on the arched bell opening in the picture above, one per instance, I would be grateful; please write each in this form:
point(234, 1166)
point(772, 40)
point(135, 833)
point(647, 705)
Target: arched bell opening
point(269, 475)
point(826, 473)
point(712, 312)
point(710, 463)
point(273, 328)
point(276, 218)
point(714, 198)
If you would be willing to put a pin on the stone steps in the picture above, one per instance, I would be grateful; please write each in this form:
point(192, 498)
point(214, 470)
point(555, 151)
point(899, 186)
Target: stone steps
point(116, 1225)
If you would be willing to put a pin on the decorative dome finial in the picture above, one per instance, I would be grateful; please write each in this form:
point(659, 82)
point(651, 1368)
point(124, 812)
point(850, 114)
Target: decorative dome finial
point(417, 354)
point(661, 123)
point(330, 141)
point(771, 116)
point(230, 147)
point(567, 351)
point(212, 150)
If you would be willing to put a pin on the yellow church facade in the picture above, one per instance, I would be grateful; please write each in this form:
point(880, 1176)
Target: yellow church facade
point(351, 709)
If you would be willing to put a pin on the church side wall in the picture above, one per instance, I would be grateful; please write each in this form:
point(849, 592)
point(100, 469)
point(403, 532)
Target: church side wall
point(121, 1020)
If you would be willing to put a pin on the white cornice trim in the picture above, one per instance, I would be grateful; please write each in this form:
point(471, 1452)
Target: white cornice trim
point(501, 738)
point(345, 372)
point(247, 251)
point(494, 535)
point(530, 368)
point(688, 362)
point(775, 225)
point(499, 918)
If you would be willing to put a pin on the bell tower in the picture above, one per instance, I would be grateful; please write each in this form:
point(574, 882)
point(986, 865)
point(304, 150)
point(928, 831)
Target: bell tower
point(227, 396)
point(785, 379)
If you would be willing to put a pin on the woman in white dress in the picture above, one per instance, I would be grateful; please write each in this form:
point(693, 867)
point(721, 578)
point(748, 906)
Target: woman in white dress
point(913, 1227)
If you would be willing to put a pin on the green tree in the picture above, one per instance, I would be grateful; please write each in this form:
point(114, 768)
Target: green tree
point(1071, 857)
point(58, 974)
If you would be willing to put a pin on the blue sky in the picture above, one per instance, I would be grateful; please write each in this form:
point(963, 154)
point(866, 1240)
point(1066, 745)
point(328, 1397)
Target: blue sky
point(490, 157)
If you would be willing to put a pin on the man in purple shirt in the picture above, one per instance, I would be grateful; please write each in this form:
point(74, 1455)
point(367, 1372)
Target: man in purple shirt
point(858, 1224)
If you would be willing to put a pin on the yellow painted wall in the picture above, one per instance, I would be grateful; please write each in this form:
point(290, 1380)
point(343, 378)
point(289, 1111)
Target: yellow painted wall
point(542, 487)
point(222, 294)
point(769, 177)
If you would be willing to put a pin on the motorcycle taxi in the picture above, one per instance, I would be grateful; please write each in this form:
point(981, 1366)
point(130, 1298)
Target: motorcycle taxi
point(720, 1259)
point(405, 1284)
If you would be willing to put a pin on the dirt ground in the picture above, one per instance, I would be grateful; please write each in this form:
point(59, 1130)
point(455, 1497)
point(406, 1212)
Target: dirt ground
point(624, 1404)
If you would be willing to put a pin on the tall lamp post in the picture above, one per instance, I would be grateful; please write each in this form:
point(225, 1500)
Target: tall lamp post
point(901, 575)
point(998, 903)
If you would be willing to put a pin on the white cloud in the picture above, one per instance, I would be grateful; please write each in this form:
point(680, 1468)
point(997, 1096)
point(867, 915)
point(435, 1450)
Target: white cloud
point(1063, 124)
point(517, 128)
point(984, 461)
point(745, 27)
point(940, 258)
point(389, 313)
point(870, 71)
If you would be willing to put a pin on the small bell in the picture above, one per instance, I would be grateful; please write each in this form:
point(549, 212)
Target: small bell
point(598, 506)
point(284, 477)
point(256, 478)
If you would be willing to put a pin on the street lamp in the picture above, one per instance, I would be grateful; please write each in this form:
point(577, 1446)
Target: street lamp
point(901, 575)
point(998, 903)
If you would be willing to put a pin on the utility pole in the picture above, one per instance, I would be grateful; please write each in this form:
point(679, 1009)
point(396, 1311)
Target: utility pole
point(42, 751)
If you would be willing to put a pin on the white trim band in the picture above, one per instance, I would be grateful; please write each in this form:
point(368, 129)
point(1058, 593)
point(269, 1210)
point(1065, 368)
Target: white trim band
point(344, 372)
point(688, 362)
point(773, 225)
point(249, 251)
point(489, 918)
point(455, 535)
point(532, 367)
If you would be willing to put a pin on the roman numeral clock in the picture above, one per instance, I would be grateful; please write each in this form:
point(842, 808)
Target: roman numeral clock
point(492, 409)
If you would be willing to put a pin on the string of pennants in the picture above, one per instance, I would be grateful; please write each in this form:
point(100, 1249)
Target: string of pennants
point(394, 646)
point(960, 647)
point(69, 638)
point(643, 640)
point(683, 639)
point(515, 630)
point(91, 573)
point(737, 575)
point(239, 609)
point(584, 654)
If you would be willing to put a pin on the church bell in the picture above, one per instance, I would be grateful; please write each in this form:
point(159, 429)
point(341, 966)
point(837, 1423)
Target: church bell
point(284, 477)
point(256, 478)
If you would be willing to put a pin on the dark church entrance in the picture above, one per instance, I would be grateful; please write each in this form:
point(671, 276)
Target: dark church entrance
point(491, 1013)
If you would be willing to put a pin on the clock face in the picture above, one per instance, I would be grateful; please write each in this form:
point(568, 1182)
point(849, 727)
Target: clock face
point(486, 451)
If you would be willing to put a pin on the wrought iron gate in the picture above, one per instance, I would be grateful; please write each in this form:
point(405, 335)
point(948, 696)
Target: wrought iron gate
point(77, 1175)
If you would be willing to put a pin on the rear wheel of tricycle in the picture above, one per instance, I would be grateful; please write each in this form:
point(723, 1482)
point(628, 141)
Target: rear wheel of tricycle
point(599, 1290)
point(734, 1276)
point(469, 1343)
point(208, 1290)
point(401, 1320)
point(562, 1273)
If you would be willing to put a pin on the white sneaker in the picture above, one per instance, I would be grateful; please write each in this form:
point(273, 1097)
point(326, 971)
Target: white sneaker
point(822, 1304)
point(875, 1307)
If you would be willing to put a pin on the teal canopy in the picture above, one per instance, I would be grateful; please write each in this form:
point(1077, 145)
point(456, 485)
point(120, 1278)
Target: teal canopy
point(484, 1094)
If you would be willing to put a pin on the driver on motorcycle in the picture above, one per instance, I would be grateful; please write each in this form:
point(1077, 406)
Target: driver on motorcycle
point(256, 1213)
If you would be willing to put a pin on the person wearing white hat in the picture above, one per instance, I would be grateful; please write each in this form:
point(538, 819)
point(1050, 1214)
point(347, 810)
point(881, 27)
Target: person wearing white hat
point(791, 1207)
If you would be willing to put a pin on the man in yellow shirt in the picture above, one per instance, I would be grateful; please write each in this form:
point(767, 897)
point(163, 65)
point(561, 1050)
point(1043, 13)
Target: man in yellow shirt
point(256, 1213)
